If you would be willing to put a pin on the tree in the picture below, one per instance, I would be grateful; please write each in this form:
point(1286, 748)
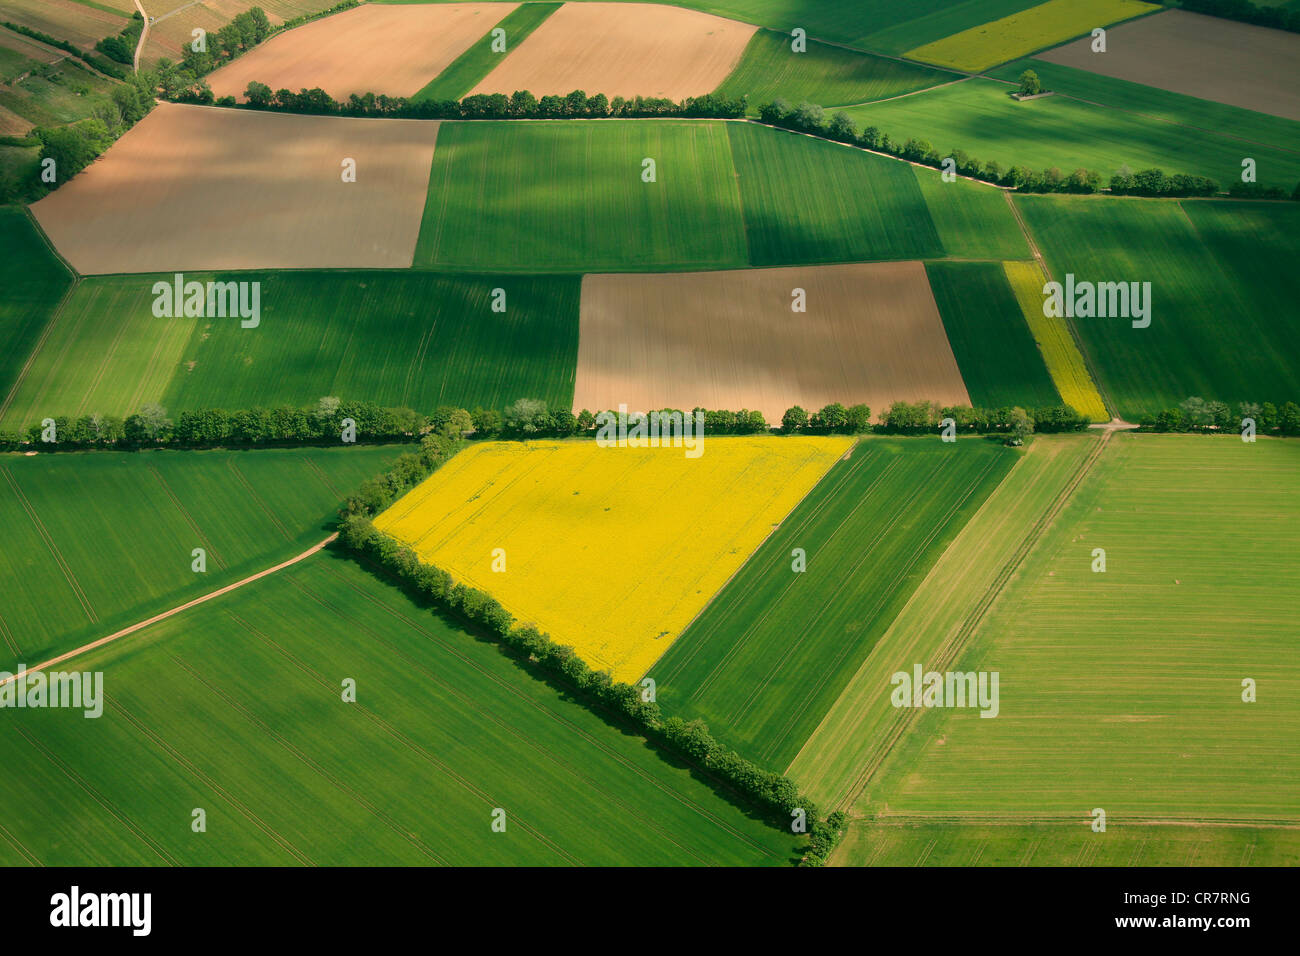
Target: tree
point(1290, 419)
point(795, 419)
point(1029, 84)
point(843, 128)
point(527, 416)
point(809, 116)
point(258, 95)
point(151, 422)
point(1021, 425)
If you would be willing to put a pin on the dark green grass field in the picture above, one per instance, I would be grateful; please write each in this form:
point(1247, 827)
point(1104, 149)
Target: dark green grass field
point(100, 540)
point(823, 74)
point(478, 61)
point(974, 221)
point(1218, 119)
point(978, 116)
point(1224, 287)
point(999, 361)
point(809, 200)
point(767, 658)
point(235, 707)
point(568, 196)
point(34, 281)
point(396, 338)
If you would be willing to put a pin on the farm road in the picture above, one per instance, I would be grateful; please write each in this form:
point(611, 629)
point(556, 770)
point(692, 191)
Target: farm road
point(86, 648)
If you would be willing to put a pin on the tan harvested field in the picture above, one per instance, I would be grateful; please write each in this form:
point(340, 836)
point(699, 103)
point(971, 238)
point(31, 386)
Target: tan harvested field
point(872, 334)
point(623, 49)
point(194, 188)
point(11, 124)
point(64, 19)
point(395, 50)
point(1214, 59)
point(176, 19)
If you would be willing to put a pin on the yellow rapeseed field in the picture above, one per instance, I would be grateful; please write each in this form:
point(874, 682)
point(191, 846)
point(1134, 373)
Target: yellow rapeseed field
point(1060, 354)
point(1047, 24)
point(611, 550)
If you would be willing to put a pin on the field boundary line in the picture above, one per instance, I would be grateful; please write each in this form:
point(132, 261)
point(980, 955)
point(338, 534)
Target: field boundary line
point(1070, 818)
point(951, 650)
point(144, 35)
point(126, 631)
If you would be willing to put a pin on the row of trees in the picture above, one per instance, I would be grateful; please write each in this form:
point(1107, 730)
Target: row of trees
point(101, 64)
point(525, 419)
point(153, 426)
point(1247, 12)
point(521, 104)
point(775, 793)
point(1195, 414)
point(841, 127)
point(121, 46)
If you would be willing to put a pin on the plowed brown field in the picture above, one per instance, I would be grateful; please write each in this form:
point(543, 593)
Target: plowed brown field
point(196, 187)
point(375, 48)
point(872, 333)
point(623, 49)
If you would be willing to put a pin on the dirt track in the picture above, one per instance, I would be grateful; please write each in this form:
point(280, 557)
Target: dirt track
point(872, 333)
point(195, 187)
point(623, 49)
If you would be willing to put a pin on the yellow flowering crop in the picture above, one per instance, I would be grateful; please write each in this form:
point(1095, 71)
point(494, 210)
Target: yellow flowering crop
point(1022, 33)
point(1061, 355)
point(611, 550)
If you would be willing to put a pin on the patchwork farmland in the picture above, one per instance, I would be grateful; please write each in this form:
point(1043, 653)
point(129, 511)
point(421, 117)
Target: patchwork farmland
point(334, 338)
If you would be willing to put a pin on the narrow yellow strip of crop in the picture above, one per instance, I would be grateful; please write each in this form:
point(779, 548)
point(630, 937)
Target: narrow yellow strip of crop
point(1019, 34)
point(1061, 355)
point(612, 550)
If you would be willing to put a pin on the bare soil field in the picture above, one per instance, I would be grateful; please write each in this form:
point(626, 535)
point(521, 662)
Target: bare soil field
point(1218, 60)
point(32, 49)
point(623, 49)
point(376, 48)
point(11, 124)
point(195, 187)
point(872, 333)
point(64, 19)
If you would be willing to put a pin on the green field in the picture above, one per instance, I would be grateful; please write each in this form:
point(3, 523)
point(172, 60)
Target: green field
point(100, 540)
point(979, 117)
point(1222, 121)
point(396, 338)
point(60, 94)
point(842, 756)
point(823, 74)
point(235, 707)
point(34, 281)
point(810, 200)
point(767, 658)
point(995, 351)
point(1123, 690)
point(464, 73)
point(934, 844)
point(516, 196)
point(974, 221)
point(1223, 289)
